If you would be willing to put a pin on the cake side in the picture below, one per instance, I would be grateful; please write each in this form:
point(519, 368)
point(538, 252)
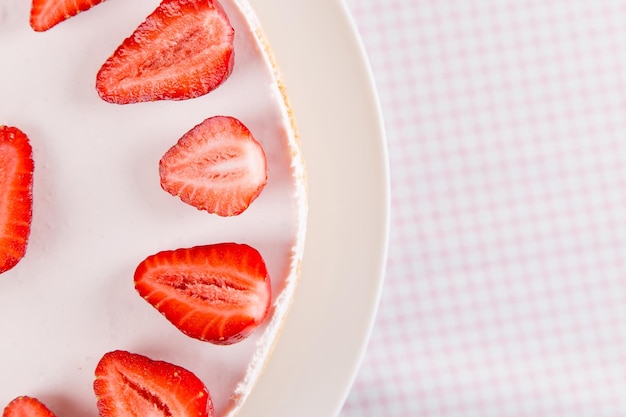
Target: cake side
point(283, 300)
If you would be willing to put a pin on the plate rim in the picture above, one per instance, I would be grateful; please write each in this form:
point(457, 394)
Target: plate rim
point(329, 401)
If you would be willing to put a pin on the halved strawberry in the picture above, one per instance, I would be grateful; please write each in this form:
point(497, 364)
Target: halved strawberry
point(183, 49)
point(217, 166)
point(217, 293)
point(16, 198)
point(45, 14)
point(24, 406)
point(129, 384)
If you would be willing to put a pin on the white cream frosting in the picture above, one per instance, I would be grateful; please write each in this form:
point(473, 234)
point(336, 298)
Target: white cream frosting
point(99, 209)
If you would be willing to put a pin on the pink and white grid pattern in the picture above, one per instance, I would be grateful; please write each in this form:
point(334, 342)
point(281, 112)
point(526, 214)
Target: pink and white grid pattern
point(505, 292)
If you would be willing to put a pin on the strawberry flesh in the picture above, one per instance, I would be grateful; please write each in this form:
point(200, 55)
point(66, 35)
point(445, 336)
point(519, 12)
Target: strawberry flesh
point(184, 49)
point(216, 293)
point(44, 14)
point(16, 198)
point(129, 384)
point(217, 166)
point(24, 406)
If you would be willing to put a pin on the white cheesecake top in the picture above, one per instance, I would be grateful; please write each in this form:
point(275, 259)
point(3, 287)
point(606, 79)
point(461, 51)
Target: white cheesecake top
point(99, 209)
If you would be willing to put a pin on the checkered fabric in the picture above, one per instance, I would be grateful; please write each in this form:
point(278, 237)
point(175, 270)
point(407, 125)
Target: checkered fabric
point(505, 292)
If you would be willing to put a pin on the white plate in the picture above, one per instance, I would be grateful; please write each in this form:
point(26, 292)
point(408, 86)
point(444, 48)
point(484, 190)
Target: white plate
point(338, 115)
point(336, 108)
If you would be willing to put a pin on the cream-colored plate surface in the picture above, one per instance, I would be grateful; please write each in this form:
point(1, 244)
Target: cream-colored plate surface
point(338, 115)
point(50, 340)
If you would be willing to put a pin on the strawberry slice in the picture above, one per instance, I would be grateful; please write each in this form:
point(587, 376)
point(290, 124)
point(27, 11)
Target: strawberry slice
point(217, 293)
point(44, 14)
point(129, 384)
point(217, 166)
point(16, 198)
point(184, 49)
point(24, 406)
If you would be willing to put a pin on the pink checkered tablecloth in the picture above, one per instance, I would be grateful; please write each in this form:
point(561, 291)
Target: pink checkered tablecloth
point(505, 292)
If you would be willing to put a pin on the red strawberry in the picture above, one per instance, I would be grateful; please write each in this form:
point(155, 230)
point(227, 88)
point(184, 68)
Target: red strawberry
point(128, 384)
point(216, 293)
point(184, 49)
point(45, 14)
point(26, 407)
point(217, 166)
point(16, 198)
